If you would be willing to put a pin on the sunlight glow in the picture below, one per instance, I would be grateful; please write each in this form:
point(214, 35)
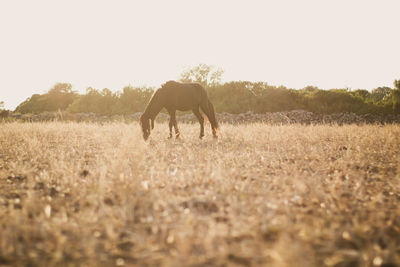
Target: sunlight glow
point(111, 44)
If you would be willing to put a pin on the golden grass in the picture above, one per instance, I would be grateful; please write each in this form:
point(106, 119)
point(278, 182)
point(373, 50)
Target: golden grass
point(98, 195)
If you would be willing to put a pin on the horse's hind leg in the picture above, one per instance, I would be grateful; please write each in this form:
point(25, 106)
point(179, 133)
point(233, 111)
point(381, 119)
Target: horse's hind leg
point(210, 116)
point(171, 122)
point(174, 123)
point(170, 127)
point(201, 120)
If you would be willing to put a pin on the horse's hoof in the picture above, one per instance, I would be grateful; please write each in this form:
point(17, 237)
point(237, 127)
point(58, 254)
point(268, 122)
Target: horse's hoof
point(215, 136)
point(201, 137)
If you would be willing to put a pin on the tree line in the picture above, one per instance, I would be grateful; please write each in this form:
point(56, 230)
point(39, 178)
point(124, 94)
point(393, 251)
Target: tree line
point(231, 97)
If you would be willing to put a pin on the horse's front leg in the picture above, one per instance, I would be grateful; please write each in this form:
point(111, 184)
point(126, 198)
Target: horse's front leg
point(172, 122)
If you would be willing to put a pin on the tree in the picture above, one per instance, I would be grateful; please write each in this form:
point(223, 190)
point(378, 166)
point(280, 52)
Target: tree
point(310, 88)
point(61, 88)
point(364, 94)
point(134, 99)
point(204, 74)
point(59, 97)
point(90, 102)
point(396, 97)
point(103, 102)
point(3, 112)
point(234, 97)
point(396, 84)
point(378, 94)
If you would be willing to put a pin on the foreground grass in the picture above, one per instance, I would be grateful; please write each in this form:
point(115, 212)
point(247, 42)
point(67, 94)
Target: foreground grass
point(85, 194)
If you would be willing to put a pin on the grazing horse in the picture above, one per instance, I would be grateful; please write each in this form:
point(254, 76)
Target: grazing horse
point(175, 96)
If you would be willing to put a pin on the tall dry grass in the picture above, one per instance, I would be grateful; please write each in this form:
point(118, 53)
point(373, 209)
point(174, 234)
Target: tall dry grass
point(98, 195)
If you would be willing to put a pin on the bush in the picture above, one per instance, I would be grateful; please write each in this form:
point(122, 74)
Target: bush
point(100, 102)
point(134, 99)
point(4, 113)
point(57, 98)
point(232, 97)
point(396, 101)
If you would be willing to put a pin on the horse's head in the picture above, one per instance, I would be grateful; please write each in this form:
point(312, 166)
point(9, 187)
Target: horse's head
point(146, 122)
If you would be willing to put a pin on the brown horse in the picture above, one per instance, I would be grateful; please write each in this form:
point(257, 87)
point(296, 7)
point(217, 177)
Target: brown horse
point(175, 96)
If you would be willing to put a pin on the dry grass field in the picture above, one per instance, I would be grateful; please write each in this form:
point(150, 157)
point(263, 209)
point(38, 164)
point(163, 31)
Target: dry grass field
point(98, 195)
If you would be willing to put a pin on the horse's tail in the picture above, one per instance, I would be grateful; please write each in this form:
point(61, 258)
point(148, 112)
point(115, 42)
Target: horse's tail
point(209, 110)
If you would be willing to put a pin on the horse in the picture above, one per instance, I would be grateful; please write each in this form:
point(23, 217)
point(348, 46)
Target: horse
point(175, 96)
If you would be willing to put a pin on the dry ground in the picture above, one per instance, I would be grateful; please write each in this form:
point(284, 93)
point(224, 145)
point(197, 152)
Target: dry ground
point(98, 195)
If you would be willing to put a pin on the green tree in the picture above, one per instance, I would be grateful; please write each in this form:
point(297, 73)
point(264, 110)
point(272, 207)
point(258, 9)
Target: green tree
point(273, 99)
point(362, 93)
point(396, 84)
point(204, 74)
point(310, 89)
point(3, 112)
point(102, 102)
point(380, 93)
point(334, 101)
point(86, 103)
point(61, 88)
point(396, 97)
point(30, 105)
point(233, 97)
point(108, 102)
point(134, 99)
point(59, 97)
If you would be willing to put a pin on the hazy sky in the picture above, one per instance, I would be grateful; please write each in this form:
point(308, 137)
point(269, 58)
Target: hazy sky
point(326, 43)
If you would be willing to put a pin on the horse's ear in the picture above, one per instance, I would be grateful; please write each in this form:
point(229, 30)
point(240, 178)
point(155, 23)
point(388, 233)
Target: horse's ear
point(152, 124)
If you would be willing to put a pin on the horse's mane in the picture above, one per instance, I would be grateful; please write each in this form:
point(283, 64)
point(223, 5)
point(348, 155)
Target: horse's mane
point(163, 86)
point(169, 84)
point(152, 100)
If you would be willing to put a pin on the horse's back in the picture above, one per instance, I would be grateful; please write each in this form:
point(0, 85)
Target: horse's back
point(183, 88)
point(183, 96)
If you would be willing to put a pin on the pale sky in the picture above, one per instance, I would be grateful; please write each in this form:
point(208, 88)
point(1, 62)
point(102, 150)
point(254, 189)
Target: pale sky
point(111, 44)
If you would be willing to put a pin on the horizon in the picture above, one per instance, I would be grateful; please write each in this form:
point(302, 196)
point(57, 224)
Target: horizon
point(104, 44)
point(82, 91)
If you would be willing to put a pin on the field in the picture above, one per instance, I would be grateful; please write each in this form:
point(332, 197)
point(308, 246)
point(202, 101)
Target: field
point(97, 195)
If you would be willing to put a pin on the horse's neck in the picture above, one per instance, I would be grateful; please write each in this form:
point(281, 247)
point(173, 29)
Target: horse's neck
point(153, 110)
